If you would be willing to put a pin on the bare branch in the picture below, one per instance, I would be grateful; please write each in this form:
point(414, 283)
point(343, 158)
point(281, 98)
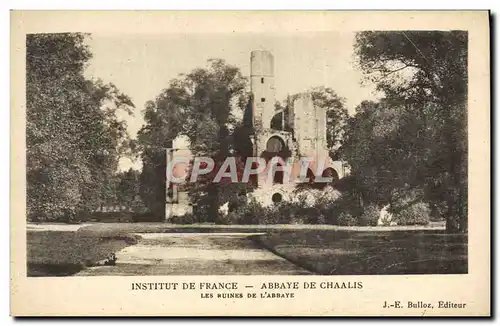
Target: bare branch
point(385, 75)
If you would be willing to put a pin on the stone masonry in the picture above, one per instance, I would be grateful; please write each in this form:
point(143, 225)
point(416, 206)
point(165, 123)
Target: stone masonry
point(306, 137)
point(308, 122)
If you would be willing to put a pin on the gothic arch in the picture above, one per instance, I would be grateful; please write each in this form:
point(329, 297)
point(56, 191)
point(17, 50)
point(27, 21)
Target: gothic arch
point(275, 144)
point(277, 121)
point(328, 172)
point(331, 172)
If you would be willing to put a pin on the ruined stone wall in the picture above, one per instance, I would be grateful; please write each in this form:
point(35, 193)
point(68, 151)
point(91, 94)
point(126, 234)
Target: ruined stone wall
point(305, 127)
point(321, 144)
point(309, 123)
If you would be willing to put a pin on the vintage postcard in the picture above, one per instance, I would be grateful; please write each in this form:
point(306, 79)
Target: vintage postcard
point(239, 163)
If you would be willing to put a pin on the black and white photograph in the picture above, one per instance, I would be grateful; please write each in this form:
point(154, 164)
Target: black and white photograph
point(380, 115)
point(339, 153)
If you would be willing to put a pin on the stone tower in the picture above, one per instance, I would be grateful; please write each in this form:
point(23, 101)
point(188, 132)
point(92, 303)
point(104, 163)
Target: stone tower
point(305, 139)
point(266, 140)
point(262, 85)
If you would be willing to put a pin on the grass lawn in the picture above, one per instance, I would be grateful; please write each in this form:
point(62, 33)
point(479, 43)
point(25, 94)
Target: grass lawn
point(330, 252)
point(326, 250)
point(61, 253)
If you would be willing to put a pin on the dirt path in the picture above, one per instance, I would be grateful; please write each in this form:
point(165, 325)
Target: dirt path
point(196, 254)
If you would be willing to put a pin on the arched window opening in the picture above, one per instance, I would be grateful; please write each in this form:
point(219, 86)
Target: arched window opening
point(331, 173)
point(278, 175)
point(277, 198)
point(275, 145)
point(277, 121)
point(327, 173)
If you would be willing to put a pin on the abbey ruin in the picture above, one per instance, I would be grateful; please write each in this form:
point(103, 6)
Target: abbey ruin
point(302, 132)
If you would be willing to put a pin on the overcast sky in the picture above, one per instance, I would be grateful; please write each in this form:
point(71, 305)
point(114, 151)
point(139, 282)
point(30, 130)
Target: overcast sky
point(142, 65)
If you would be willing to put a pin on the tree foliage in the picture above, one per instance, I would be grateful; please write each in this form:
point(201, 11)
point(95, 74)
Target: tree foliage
point(415, 138)
point(336, 115)
point(200, 105)
point(74, 137)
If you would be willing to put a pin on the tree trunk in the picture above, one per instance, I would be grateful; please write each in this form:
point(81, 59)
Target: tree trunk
point(361, 203)
point(451, 218)
point(463, 213)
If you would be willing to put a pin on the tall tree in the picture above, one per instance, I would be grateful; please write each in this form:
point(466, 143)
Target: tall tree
point(336, 116)
point(424, 75)
point(73, 135)
point(201, 106)
point(127, 187)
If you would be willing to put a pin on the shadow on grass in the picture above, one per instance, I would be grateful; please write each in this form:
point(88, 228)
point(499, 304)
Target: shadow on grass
point(63, 253)
point(40, 269)
point(370, 253)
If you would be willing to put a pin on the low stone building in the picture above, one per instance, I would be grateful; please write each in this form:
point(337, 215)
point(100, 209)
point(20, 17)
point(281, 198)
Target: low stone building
point(177, 198)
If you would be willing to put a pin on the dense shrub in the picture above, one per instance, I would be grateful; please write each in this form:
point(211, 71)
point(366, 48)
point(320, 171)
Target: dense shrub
point(314, 215)
point(297, 213)
point(230, 219)
point(293, 213)
point(110, 217)
point(346, 219)
point(147, 217)
point(253, 213)
point(342, 211)
point(249, 213)
point(138, 206)
point(438, 212)
point(283, 213)
point(370, 216)
point(345, 204)
point(318, 219)
point(237, 202)
point(416, 214)
point(188, 218)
